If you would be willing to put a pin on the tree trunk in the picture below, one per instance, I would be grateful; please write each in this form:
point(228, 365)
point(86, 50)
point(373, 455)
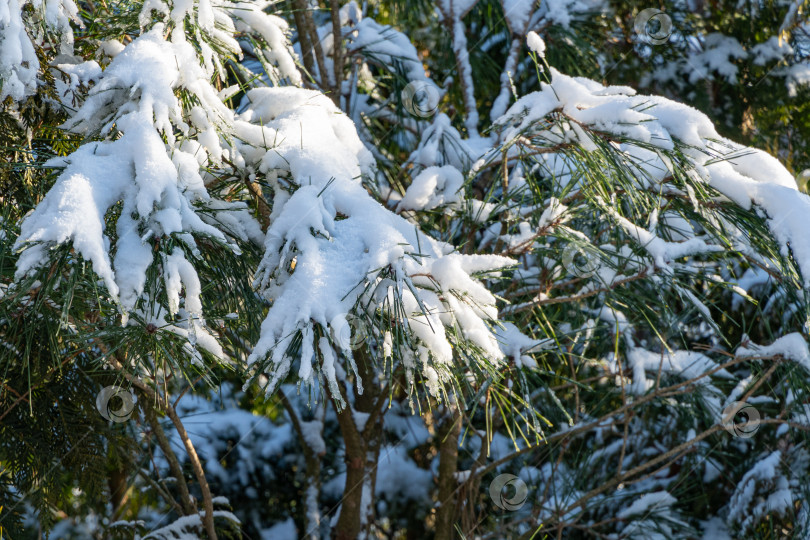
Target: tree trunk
point(117, 483)
point(349, 522)
point(313, 472)
point(448, 465)
point(337, 50)
point(362, 452)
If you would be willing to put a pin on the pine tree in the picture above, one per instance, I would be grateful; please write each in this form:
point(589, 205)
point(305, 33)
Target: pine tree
point(401, 269)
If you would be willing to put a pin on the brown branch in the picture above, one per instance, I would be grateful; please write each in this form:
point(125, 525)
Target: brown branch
point(196, 465)
point(536, 150)
point(162, 492)
point(186, 504)
point(312, 461)
point(681, 448)
point(337, 50)
point(376, 411)
point(303, 36)
point(348, 526)
point(670, 391)
point(448, 464)
point(264, 208)
point(562, 299)
point(312, 34)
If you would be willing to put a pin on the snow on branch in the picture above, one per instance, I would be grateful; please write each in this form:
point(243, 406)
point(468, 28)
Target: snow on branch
point(160, 122)
point(346, 246)
point(157, 190)
point(790, 347)
point(19, 65)
point(642, 124)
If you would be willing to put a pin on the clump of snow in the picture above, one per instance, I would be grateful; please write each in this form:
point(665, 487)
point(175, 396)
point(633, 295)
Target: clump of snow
point(19, 64)
point(280, 59)
point(188, 527)
point(441, 144)
point(790, 347)
point(685, 364)
point(399, 477)
point(764, 489)
point(772, 49)
point(718, 55)
point(285, 530)
point(385, 45)
point(715, 529)
point(112, 48)
point(563, 12)
point(517, 13)
point(433, 187)
point(647, 503)
point(650, 516)
point(132, 106)
point(516, 345)
point(536, 44)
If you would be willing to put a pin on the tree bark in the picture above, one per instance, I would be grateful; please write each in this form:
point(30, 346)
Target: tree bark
point(186, 504)
point(313, 471)
point(362, 450)
point(208, 503)
point(306, 26)
point(117, 483)
point(448, 465)
point(349, 522)
point(303, 36)
point(337, 50)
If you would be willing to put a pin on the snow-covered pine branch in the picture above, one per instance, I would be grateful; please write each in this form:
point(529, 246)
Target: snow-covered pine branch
point(19, 64)
point(162, 123)
point(348, 250)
